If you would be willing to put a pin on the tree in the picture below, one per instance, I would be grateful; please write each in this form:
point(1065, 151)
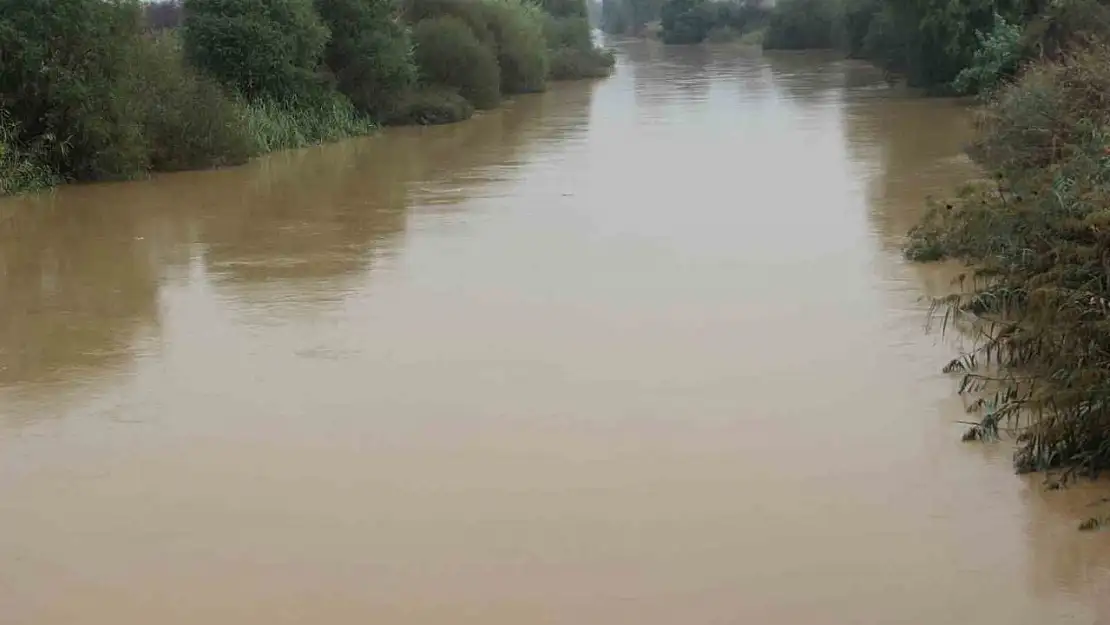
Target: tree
point(261, 48)
point(370, 51)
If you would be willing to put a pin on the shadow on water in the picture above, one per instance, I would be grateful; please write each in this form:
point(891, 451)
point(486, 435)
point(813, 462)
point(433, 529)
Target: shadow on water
point(82, 269)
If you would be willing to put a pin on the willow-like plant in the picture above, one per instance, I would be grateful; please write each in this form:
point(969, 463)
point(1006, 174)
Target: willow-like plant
point(1037, 301)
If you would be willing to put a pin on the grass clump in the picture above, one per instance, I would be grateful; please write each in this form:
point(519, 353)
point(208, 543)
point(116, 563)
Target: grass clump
point(21, 169)
point(1038, 239)
point(281, 126)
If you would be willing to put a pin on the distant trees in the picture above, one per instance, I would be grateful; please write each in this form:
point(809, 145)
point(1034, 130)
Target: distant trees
point(112, 89)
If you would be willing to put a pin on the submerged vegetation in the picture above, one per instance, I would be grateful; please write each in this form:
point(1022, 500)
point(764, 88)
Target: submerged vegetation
point(115, 89)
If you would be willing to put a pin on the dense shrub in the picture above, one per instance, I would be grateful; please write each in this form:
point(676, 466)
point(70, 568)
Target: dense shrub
point(269, 48)
point(188, 121)
point(855, 24)
point(448, 53)
point(565, 8)
point(517, 27)
point(694, 21)
point(686, 21)
point(429, 106)
point(369, 51)
point(163, 14)
point(20, 169)
point(574, 63)
point(567, 32)
point(801, 24)
point(63, 82)
point(629, 17)
point(512, 29)
point(994, 61)
point(1037, 239)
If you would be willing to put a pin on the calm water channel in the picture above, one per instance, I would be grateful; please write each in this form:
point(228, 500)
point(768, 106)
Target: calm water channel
point(637, 352)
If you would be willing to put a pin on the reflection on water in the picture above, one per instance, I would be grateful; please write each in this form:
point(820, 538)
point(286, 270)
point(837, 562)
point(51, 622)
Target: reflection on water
point(639, 351)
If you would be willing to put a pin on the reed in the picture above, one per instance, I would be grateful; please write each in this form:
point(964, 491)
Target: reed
point(1036, 299)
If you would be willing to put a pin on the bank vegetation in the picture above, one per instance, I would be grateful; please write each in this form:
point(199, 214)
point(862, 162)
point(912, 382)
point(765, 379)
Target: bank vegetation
point(1035, 234)
point(115, 89)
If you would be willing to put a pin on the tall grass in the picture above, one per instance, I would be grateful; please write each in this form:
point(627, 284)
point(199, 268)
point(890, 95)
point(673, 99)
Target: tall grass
point(273, 126)
point(20, 169)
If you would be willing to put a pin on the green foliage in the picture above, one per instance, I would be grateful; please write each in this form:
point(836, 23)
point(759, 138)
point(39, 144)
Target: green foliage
point(369, 52)
point(261, 48)
point(1038, 297)
point(20, 169)
point(429, 106)
point(572, 52)
point(512, 29)
point(802, 24)
point(565, 8)
point(629, 17)
point(567, 32)
point(995, 60)
point(575, 63)
point(686, 21)
point(188, 122)
point(63, 82)
point(449, 54)
point(856, 22)
point(276, 126)
point(517, 27)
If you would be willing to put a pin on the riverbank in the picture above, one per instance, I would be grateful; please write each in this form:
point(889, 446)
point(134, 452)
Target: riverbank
point(541, 366)
point(1037, 292)
point(108, 90)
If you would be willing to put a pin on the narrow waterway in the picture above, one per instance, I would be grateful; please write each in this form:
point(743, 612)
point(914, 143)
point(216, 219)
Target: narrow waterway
point(635, 352)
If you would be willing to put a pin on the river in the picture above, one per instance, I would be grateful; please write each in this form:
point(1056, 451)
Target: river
point(634, 352)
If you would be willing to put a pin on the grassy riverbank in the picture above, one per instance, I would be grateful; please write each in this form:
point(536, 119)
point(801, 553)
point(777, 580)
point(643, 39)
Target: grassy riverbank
point(115, 89)
point(1036, 236)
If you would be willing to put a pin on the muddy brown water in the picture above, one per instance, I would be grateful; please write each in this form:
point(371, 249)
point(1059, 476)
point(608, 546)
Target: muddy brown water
point(641, 351)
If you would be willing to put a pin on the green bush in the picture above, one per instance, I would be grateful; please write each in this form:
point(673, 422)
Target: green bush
point(686, 21)
point(995, 61)
point(429, 106)
point(276, 126)
point(567, 32)
point(449, 54)
point(188, 121)
point(60, 82)
point(574, 63)
point(856, 21)
point(565, 8)
point(801, 25)
point(369, 52)
point(518, 30)
point(262, 49)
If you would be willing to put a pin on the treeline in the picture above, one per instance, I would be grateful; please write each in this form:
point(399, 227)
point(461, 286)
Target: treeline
point(945, 46)
point(113, 89)
point(1036, 234)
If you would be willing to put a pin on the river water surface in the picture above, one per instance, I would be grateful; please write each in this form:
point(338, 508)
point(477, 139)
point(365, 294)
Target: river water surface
point(635, 352)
